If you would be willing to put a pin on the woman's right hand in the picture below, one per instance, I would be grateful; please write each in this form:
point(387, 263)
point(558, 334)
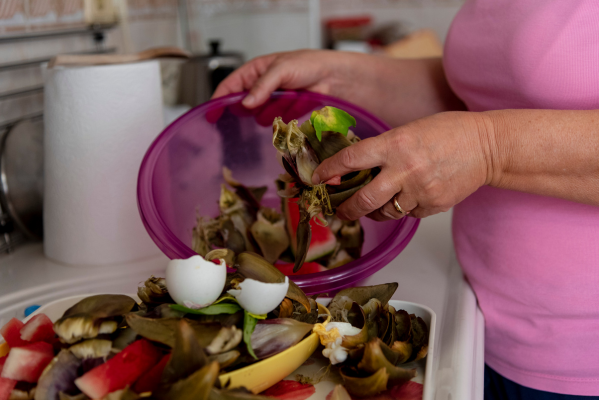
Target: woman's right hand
point(321, 71)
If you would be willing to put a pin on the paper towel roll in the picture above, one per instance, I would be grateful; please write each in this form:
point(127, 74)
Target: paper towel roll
point(99, 122)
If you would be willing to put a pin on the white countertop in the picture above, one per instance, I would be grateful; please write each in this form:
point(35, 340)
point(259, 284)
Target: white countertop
point(426, 271)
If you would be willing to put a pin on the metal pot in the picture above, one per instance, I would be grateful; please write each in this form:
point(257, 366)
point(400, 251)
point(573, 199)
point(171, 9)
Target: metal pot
point(201, 75)
point(22, 178)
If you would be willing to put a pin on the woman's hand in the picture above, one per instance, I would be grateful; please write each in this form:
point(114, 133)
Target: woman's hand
point(325, 72)
point(428, 165)
point(398, 91)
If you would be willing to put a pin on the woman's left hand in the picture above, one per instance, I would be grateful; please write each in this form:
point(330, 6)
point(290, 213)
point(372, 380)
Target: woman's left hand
point(428, 166)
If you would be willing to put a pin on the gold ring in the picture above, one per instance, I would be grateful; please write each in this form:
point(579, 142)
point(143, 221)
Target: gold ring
point(398, 208)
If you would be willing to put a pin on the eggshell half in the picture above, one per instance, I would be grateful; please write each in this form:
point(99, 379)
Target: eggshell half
point(195, 282)
point(258, 297)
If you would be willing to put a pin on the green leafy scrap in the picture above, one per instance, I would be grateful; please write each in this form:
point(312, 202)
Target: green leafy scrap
point(331, 119)
point(249, 326)
point(250, 321)
point(214, 309)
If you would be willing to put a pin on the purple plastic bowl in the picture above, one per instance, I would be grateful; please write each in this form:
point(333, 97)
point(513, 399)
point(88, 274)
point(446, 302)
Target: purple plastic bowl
point(180, 177)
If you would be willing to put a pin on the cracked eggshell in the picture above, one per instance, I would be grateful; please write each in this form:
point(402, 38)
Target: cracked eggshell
point(195, 282)
point(258, 297)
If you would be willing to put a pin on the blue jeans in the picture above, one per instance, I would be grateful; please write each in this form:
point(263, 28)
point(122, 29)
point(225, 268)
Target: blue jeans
point(497, 387)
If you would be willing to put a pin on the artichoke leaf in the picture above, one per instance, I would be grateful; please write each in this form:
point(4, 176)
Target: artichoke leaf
point(365, 386)
point(187, 356)
point(154, 291)
point(197, 386)
point(295, 138)
point(421, 353)
point(233, 238)
point(306, 161)
point(250, 195)
point(372, 309)
point(392, 356)
point(352, 180)
point(352, 237)
point(303, 237)
point(88, 318)
point(331, 143)
point(205, 235)
point(253, 266)
point(227, 339)
point(285, 178)
point(224, 320)
point(280, 135)
point(357, 318)
point(101, 306)
point(222, 254)
point(124, 338)
point(288, 192)
point(269, 232)
point(163, 330)
point(374, 359)
point(403, 325)
point(340, 257)
point(286, 309)
point(162, 311)
point(338, 198)
point(404, 351)
point(233, 208)
point(419, 337)
point(93, 348)
point(362, 295)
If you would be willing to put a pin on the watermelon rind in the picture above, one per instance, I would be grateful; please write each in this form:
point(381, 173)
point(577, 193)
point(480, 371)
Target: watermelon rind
point(322, 240)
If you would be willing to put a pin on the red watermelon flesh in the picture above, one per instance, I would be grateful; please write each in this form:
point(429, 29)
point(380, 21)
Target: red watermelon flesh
point(322, 241)
point(120, 371)
point(38, 329)
point(11, 332)
point(6, 385)
point(26, 363)
point(149, 381)
point(307, 268)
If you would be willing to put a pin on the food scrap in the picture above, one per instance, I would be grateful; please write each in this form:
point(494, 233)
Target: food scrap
point(301, 149)
point(189, 328)
point(306, 231)
point(369, 339)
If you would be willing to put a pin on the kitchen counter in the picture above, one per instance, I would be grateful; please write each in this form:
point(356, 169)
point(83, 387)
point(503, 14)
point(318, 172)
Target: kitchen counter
point(427, 273)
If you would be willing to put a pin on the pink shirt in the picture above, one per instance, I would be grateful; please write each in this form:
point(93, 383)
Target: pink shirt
point(531, 260)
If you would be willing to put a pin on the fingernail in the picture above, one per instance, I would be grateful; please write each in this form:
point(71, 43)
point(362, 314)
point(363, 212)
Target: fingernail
point(315, 179)
point(248, 100)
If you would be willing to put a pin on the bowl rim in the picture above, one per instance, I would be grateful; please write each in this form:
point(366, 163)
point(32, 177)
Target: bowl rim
point(319, 282)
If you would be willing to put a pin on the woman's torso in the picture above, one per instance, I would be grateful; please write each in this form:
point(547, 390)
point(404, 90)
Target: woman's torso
point(532, 260)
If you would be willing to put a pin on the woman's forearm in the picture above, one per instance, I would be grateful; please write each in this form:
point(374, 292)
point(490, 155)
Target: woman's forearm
point(398, 91)
point(547, 152)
